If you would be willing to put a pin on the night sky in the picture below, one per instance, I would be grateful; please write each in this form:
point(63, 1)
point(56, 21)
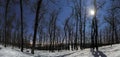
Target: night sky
point(64, 5)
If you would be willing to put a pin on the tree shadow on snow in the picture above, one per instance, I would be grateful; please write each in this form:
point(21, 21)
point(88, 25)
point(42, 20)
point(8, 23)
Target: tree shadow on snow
point(98, 53)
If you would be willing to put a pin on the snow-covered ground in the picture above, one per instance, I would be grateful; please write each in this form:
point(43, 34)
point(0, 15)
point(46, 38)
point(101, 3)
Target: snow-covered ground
point(9, 52)
point(105, 51)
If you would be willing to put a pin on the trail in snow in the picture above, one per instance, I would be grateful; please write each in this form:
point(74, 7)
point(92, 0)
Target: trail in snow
point(105, 51)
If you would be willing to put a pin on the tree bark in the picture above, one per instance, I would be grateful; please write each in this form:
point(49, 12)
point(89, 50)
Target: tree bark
point(36, 25)
point(21, 10)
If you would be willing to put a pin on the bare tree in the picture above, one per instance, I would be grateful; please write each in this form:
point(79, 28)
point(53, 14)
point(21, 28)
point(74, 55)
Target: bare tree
point(6, 12)
point(21, 10)
point(94, 32)
point(52, 28)
point(112, 20)
point(36, 25)
point(84, 25)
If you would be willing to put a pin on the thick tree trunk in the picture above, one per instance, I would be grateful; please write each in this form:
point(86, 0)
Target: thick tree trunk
point(96, 26)
point(94, 29)
point(21, 10)
point(36, 25)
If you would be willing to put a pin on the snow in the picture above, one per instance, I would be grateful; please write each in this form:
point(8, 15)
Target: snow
point(105, 51)
point(8, 52)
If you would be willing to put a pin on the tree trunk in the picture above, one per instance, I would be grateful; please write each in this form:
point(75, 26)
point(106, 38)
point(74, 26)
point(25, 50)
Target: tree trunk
point(36, 25)
point(21, 10)
point(6, 11)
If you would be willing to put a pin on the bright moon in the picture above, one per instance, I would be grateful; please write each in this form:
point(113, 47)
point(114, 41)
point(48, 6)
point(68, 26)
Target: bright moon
point(92, 12)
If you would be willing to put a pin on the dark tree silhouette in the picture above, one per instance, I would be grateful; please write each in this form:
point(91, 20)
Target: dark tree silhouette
point(5, 29)
point(36, 25)
point(21, 10)
point(94, 32)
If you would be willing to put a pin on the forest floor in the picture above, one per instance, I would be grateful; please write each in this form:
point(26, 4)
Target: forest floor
point(105, 51)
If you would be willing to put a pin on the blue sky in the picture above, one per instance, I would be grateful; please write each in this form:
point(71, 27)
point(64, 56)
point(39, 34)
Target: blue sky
point(29, 16)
